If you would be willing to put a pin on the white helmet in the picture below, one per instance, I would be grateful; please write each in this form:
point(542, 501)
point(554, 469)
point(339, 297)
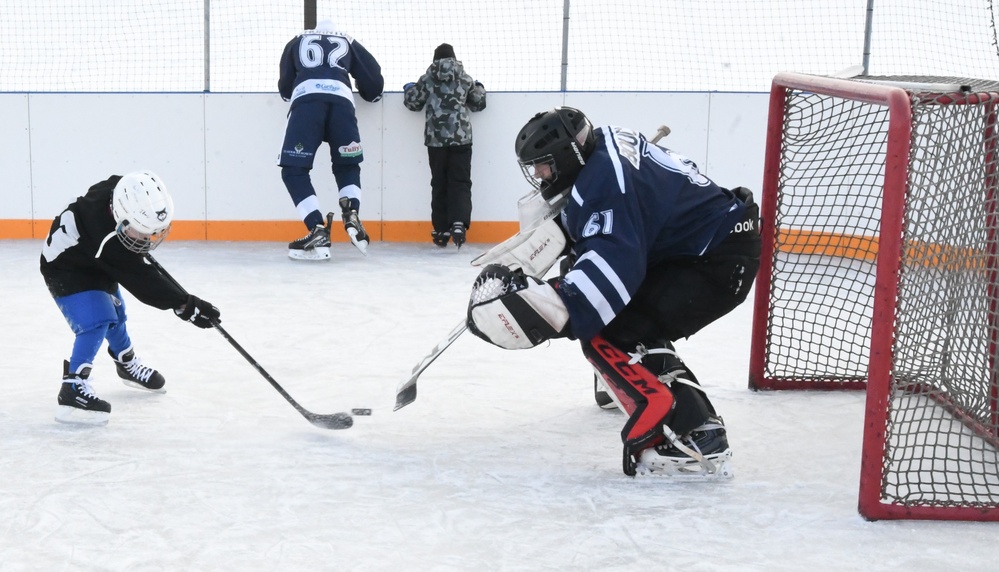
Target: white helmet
point(143, 209)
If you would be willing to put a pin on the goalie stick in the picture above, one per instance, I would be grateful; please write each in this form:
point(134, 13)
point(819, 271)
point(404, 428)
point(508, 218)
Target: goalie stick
point(330, 421)
point(663, 131)
point(534, 252)
point(406, 392)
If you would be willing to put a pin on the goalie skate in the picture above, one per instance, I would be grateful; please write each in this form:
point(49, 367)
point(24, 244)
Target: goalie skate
point(704, 454)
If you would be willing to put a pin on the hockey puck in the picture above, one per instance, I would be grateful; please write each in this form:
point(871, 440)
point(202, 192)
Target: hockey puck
point(360, 412)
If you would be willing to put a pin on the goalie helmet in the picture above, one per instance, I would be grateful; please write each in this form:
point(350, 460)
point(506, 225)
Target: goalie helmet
point(143, 211)
point(553, 147)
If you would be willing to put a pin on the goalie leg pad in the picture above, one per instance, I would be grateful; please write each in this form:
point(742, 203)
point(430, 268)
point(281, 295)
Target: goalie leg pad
point(649, 403)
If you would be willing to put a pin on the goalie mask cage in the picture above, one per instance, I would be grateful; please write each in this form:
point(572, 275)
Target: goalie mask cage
point(880, 271)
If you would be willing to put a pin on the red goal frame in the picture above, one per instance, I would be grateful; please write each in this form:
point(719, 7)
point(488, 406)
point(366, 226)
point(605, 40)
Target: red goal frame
point(878, 382)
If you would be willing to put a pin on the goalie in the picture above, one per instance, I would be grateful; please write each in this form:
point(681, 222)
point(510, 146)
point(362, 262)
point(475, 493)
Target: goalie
point(656, 251)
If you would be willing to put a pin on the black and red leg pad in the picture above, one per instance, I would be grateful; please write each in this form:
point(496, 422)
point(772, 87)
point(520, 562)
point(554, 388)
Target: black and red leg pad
point(648, 402)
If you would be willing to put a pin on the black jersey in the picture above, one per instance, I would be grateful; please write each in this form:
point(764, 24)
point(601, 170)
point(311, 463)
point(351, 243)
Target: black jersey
point(82, 252)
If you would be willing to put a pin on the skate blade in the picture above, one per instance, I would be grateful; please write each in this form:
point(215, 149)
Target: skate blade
point(318, 253)
point(687, 470)
point(138, 385)
point(361, 245)
point(73, 416)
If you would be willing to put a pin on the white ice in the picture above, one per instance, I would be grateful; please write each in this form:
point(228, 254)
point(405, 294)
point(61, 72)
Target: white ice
point(502, 463)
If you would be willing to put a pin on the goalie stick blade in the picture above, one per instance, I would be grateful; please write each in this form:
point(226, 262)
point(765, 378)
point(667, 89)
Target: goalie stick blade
point(405, 396)
point(406, 392)
point(332, 421)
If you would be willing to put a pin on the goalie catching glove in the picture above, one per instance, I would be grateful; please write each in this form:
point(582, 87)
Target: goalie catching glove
point(514, 311)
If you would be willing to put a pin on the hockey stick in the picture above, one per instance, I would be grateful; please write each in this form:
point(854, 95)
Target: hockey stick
point(663, 131)
point(406, 392)
point(331, 421)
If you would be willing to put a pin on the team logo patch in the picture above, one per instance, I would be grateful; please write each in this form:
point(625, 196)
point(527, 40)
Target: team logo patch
point(350, 150)
point(297, 151)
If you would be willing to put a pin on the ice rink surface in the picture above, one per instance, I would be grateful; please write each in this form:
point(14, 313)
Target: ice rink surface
point(502, 463)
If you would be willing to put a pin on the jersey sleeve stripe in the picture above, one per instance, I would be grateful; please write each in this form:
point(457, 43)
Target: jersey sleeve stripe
point(608, 273)
point(589, 290)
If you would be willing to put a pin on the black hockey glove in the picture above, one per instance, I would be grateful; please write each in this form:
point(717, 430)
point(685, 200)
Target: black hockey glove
point(199, 312)
point(514, 311)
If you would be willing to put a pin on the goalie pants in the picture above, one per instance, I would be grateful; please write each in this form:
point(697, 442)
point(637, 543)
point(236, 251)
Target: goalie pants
point(681, 296)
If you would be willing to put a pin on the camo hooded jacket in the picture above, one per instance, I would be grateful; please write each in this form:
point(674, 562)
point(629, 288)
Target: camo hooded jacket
point(449, 94)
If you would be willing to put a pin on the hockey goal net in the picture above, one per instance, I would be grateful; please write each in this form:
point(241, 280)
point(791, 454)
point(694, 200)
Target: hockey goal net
point(880, 271)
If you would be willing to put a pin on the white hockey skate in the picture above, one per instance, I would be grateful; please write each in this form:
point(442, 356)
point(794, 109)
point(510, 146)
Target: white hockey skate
point(703, 454)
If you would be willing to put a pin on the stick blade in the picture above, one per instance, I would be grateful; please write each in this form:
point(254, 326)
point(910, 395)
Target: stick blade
point(405, 395)
point(333, 421)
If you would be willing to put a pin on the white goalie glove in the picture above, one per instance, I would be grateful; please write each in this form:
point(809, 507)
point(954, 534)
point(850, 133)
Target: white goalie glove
point(514, 311)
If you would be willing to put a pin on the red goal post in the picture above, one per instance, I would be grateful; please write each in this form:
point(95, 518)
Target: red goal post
point(880, 271)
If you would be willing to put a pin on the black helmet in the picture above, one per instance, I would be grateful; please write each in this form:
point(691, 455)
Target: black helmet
point(561, 140)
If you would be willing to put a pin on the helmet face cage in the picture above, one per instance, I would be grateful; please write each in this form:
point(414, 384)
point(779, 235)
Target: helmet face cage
point(531, 171)
point(139, 242)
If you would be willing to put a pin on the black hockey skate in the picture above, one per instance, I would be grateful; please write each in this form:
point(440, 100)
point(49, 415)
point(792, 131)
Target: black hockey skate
point(352, 224)
point(313, 246)
point(440, 238)
point(134, 374)
point(77, 401)
point(702, 453)
point(458, 234)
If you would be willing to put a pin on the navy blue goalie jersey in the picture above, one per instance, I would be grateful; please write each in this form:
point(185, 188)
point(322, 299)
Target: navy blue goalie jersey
point(634, 205)
point(321, 63)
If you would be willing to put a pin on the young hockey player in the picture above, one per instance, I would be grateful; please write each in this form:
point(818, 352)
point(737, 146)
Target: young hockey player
point(315, 66)
point(95, 247)
point(449, 95)
point(656, 251)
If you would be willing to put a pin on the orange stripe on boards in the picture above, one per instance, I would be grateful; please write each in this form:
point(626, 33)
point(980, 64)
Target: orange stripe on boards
point(916, 253)
point(283, 230)
point(21, 228)
point(827, 243)
point(797, 241)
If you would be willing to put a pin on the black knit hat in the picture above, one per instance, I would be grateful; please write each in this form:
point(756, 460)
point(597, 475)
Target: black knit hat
point(443, 51)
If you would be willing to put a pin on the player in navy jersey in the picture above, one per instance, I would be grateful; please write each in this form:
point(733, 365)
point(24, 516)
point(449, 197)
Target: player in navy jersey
point(96, 247)
point(655, 252)
point(316, 67)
